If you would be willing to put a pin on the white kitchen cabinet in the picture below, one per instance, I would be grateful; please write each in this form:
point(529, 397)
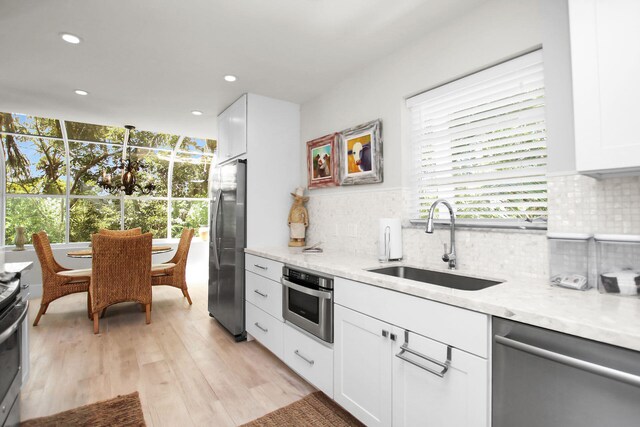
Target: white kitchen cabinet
point(605, 69)
point(266, 329)
point(232, 130)
point(421, 397)
point(310, 358)
point(363, 352)
point(387, 372)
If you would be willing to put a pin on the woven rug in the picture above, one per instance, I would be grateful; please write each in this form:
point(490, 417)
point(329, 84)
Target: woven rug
point(313, 410)
point(119, 411)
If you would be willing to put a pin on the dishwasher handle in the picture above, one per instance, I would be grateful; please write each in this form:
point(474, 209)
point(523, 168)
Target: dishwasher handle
point(590, 367)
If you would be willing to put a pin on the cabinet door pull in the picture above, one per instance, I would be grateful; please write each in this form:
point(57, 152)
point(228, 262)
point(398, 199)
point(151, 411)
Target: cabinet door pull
point(260, 293)
point(393, 337)
point(265, 330)
point(310, 362)
point(405, 349)
point(261, 267)
point(385, 333)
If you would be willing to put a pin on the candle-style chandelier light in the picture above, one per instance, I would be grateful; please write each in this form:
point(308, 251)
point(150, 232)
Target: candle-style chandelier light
point(127, 170)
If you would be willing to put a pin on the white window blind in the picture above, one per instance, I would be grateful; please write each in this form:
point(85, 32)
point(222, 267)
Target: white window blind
point(480, 142)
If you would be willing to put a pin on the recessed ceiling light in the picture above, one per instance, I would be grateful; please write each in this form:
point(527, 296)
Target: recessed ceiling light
point(81, 92)
point(70, 38)
point(230, 78)
point(196, 113)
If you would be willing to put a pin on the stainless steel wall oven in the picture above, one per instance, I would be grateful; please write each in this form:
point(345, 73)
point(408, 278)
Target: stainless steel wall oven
point(308, 301)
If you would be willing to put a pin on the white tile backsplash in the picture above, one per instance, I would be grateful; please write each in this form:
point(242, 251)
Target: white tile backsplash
point(347, 219)
point(581, 204)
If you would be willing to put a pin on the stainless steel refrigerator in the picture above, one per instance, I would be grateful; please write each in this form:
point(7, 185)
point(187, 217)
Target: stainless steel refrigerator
point(226, 246)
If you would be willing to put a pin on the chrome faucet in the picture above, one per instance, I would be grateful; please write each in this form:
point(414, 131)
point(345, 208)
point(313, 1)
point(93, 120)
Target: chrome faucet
point(449, 257)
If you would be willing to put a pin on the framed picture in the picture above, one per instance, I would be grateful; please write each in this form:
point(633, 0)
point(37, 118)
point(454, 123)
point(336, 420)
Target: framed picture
point(322, 162)
point(361, 154)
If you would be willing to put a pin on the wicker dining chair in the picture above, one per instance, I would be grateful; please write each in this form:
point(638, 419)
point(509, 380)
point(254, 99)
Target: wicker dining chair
point(121, 273)
point(57, 281)
point(122, 233)
point(172, 272)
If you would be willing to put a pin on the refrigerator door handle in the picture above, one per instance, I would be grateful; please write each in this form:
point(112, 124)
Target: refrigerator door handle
point(214, 230)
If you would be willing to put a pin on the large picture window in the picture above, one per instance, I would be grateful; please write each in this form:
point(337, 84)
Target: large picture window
point(480, 142)
point(50, 170)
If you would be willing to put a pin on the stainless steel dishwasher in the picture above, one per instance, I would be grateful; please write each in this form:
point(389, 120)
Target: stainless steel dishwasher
point(543, 378)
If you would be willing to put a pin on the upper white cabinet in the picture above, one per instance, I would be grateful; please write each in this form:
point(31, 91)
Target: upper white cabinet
point(605, 67)
point(232, 130)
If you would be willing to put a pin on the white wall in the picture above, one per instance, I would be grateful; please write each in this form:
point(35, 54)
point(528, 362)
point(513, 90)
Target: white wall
point(488, 34)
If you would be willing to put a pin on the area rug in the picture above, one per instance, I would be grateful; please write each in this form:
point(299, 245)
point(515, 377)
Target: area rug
point(313, 410)
point(119, 411)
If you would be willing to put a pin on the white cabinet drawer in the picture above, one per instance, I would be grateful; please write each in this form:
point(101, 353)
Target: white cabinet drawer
point(264, 267)
point(312, 360)
point(463, 329)
point(265, 328)
point(264, 294)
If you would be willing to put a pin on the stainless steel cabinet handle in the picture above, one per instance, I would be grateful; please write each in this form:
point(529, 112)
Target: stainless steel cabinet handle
point(591, 367)
point(265, 330)
point(405, 349)
point(260, 293)
point(310, 362)
point(261, 267)
point(312, 292)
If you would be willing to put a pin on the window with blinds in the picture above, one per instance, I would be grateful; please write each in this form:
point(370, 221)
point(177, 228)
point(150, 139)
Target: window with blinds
point(480, 143)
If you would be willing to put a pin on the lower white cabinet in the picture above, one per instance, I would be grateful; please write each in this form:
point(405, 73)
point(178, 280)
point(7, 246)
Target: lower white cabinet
point(385, 375)
point(309, 358)
point(265, 328)
point(363, 366)
point(424, 393)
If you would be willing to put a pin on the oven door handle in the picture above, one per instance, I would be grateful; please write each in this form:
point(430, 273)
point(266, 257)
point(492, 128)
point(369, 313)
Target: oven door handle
point(304, 290)
point(8, 330)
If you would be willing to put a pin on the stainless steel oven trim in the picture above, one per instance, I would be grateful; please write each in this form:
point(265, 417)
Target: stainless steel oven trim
point(322, 330)
point(305, 290)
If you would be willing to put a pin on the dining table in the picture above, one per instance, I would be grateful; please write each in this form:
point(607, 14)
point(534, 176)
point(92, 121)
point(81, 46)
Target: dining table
point(88, 252)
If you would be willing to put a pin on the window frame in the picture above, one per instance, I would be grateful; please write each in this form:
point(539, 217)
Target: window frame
point(535, 223)
point(67, 197)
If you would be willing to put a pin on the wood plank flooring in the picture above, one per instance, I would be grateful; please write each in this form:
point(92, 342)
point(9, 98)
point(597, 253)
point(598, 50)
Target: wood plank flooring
point(187, 368)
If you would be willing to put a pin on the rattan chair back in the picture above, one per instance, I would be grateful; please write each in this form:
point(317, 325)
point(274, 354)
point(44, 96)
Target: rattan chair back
point(121, 270)
point(123, 233)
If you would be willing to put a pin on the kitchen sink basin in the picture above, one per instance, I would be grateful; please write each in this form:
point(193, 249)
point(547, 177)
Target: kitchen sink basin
point(455, 281)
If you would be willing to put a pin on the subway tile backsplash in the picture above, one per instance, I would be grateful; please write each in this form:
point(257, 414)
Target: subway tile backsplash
point(347, 219)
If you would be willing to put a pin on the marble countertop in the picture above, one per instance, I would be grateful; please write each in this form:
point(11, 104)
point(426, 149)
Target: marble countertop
point(606, 318)
point(17, 267)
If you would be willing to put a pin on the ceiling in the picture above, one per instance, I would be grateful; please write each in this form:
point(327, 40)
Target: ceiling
point(150, 62)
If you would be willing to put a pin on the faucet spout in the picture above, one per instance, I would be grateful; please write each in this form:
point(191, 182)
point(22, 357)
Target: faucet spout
point(449, 257)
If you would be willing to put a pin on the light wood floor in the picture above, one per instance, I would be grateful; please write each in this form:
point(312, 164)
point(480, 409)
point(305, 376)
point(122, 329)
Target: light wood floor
point(186, 367)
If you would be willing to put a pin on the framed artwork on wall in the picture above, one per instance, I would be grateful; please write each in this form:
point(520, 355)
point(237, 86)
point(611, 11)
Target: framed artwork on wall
point(361, 154)
point(322, 162)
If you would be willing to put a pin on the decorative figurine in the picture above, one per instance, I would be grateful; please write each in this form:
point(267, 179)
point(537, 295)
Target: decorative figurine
point(20, 239)
point(298, 218)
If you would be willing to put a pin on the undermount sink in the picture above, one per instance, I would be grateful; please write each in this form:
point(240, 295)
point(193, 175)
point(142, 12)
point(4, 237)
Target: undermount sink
point(455, 281)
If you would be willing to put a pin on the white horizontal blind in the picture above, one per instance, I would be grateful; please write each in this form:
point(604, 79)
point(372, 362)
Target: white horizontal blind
point(480, 142)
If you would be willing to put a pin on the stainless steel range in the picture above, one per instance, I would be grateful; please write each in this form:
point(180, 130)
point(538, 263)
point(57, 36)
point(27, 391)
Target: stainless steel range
point(13, 311)
point(308, 301)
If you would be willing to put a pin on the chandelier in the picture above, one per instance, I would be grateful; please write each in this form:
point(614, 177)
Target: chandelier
point(129, 169)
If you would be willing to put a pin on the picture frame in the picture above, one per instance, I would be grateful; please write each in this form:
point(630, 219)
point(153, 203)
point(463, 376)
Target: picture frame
point(361, 159)
point(322, 162)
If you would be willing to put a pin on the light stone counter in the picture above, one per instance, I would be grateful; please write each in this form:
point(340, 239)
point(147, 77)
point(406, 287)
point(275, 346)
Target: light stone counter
point(606, 318)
